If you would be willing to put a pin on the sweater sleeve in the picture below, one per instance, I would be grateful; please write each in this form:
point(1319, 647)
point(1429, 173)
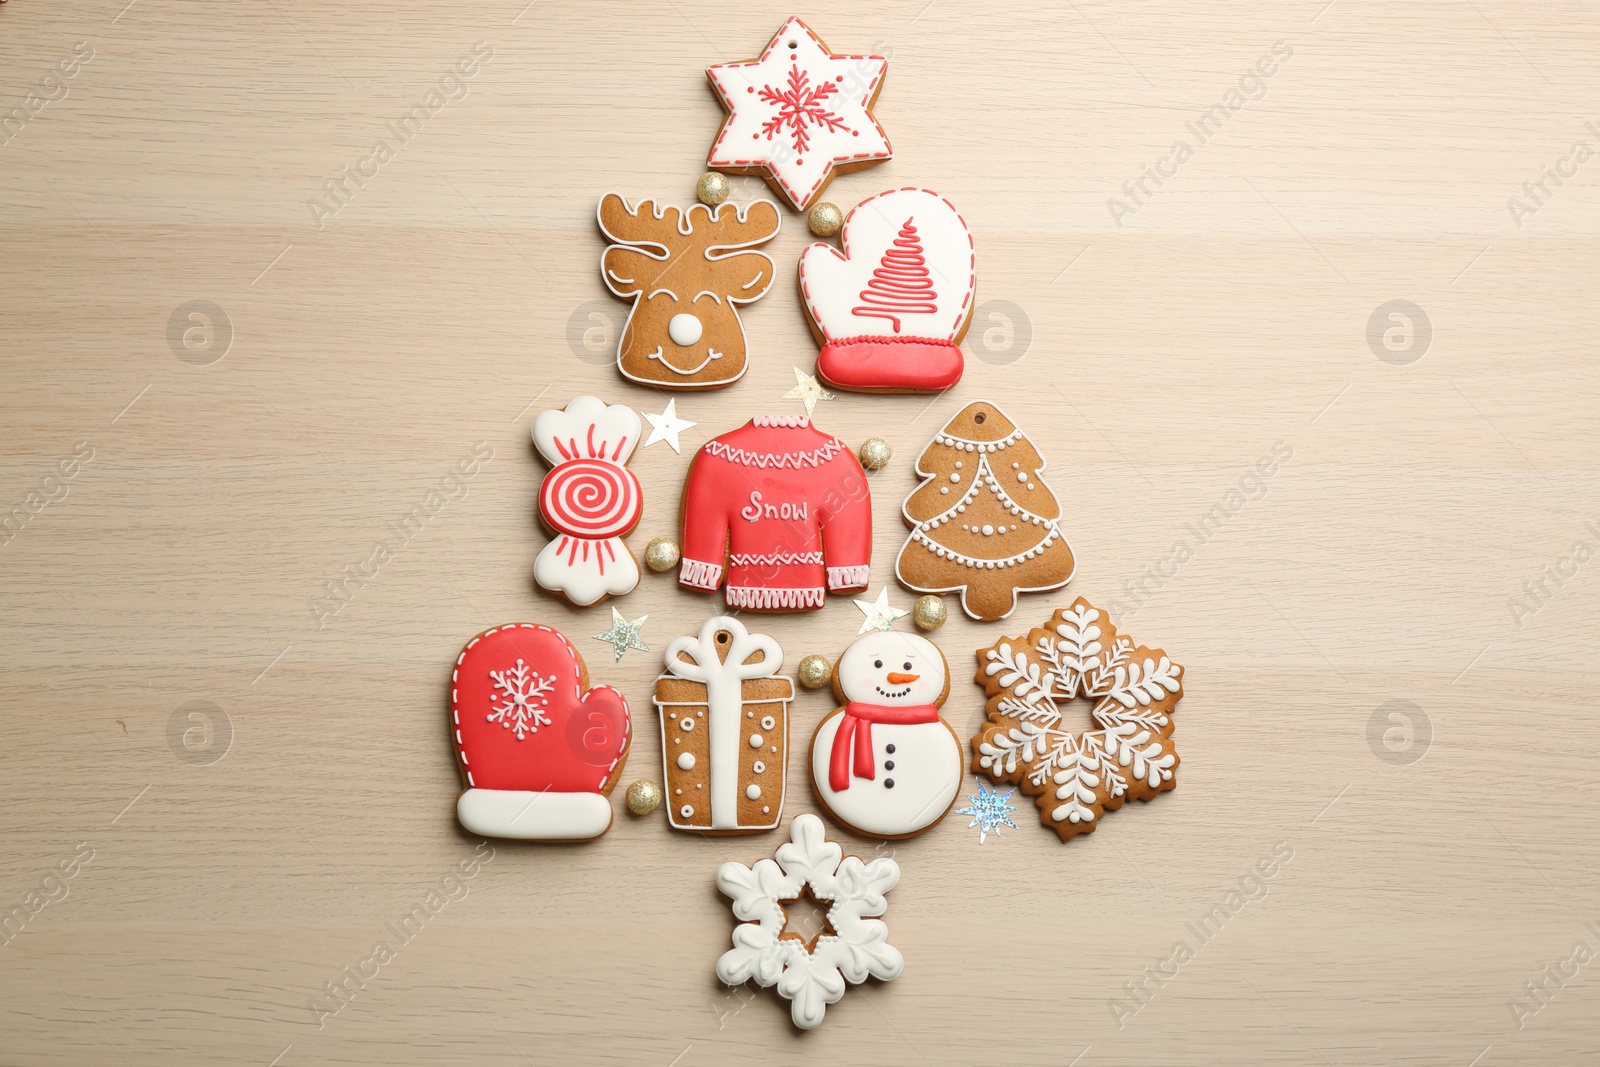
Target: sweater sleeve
point(705, 526)
point(846, 523)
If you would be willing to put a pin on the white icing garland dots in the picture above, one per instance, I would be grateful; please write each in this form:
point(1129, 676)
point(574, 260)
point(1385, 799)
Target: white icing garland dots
point(961, 444)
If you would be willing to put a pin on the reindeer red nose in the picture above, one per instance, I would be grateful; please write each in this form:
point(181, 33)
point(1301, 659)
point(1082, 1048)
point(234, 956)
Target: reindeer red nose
point(902, 679)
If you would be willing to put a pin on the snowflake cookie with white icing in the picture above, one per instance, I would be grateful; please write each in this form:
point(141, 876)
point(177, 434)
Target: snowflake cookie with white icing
point(854, 944)
point(1033, 682)
point(799, 114)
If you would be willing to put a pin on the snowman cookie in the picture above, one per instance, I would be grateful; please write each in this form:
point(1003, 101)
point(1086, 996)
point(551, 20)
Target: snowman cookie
point(886, 765)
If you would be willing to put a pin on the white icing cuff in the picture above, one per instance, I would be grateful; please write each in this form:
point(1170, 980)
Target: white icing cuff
point(529, 816)
point(700, 575)
point(841, 578)
point(764, 599)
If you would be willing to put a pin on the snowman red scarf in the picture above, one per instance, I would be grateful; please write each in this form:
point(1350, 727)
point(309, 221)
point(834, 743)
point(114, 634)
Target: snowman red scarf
point(856, 731)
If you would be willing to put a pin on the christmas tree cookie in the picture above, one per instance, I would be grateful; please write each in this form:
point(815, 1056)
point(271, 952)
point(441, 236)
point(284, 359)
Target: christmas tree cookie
point(983, 521)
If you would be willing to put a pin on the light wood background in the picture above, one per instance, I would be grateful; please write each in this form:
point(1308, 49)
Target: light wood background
point(1437, 867)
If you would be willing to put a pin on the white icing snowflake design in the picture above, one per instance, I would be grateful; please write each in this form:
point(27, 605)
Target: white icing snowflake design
point(858, 947)
point(523, 696)
point(1075, 777)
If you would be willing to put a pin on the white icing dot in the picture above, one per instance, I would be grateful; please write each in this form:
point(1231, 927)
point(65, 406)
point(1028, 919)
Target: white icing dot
point(765, 809)
point(759, 767)
point(677, 740)
point(1022, 476)
point(768, 722)
point(1030, 486)
point(686, 724)
point(749, 714)
point(753, 792)
point(686, 761)
point(944, 490)
point(955, 477)
point(987, 529)
point(684, 329)
point(774, 748)
point(1013, 526)
point(756, 740)
point(958, 464)
point(1014, 466)
point(686, 811)
point(678, 792)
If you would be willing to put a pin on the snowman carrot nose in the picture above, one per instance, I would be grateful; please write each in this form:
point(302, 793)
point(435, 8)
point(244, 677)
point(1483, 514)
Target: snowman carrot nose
point(901, 679)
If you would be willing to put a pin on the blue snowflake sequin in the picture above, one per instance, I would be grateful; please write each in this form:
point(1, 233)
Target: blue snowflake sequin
point(989, 811)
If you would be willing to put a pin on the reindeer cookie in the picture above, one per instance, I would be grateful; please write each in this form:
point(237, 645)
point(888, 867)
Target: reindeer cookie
point(686, 271)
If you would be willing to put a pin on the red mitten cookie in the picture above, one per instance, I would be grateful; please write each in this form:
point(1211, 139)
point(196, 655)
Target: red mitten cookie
point(892, 307)
point(539, 749)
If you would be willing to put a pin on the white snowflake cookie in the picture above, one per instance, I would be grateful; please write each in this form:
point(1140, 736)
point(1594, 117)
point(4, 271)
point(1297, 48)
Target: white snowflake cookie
point(1075, 777)
point(810, 976)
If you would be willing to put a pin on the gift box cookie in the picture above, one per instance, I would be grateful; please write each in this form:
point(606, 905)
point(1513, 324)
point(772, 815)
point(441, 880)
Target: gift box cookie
point(724, 729)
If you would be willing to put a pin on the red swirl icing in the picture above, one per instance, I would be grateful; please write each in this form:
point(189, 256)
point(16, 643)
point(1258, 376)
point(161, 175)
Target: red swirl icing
point(591, 498)
point(901, 285)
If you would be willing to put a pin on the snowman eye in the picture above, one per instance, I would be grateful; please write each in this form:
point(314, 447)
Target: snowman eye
point(878, 663)
point(908, 665)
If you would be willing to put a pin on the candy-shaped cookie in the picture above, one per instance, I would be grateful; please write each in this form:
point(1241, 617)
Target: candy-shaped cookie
point(799, 114)
point(983, 521)
point(687, 272)
point(886, 765)
point(540, 751)
point(724, 729)
point(786, 506)
point(1036, 685)
point(892, 306)
point(590, 499)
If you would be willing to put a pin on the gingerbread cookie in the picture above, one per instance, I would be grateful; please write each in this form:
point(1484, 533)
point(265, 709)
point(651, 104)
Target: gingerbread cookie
point(854, 945)
point(786, 506)
point(799, 114)
point(687, 272)
point(1032, 682)
point(724, 729)
point(983, 521)
point(891, 308)
point(886, 765)
point(540, 750)
point(590, 499)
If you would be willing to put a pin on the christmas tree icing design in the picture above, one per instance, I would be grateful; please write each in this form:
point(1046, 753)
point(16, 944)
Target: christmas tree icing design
point(798, 105)
point(983, 520)
point(901, 285)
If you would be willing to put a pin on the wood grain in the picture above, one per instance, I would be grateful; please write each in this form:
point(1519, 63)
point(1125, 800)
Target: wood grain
point(1154, 363)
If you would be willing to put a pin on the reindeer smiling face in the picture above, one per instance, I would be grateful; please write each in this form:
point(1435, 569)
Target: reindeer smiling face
point(686, 271)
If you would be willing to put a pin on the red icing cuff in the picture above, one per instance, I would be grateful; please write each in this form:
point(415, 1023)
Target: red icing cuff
point(896, 364)
point(842, 578)
point(699, 575)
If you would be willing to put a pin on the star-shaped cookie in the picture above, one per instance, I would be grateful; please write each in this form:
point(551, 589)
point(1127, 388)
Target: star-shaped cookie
point(799, 114)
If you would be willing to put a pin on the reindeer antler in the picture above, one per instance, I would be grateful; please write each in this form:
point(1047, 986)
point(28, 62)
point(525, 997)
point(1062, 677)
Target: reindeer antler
point(644, 223)
point(730, 227)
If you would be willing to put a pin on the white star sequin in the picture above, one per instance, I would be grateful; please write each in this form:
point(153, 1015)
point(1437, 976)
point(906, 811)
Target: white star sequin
point(880, 616)
point(623, 634)
point(667, 426)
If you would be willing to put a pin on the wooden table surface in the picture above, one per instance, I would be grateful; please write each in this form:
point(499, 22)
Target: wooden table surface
point(215, 801)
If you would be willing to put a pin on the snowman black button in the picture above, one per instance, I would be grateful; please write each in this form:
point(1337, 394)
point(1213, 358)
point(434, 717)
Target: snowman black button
point(889, 749)
point(888, 783)
point(888, 765)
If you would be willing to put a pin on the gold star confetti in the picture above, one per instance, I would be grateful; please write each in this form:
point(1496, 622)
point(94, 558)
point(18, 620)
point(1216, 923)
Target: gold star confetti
point(807, 391)
point(624, 635)
point(880, 616)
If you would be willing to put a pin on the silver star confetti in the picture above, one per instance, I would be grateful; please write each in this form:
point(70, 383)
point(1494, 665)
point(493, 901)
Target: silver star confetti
point(807, 391)
point(879, 615)
point(623, 634)
point(989, 812)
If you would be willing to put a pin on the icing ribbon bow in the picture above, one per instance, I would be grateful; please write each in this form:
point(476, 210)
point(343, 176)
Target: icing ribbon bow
point(855, 731)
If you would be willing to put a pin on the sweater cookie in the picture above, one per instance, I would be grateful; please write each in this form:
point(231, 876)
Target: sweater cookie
point(786, 507)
